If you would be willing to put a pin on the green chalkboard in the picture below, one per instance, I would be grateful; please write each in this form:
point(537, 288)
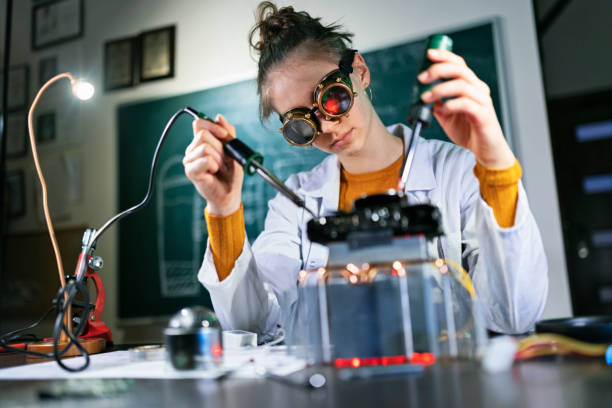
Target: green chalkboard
point(161, 247)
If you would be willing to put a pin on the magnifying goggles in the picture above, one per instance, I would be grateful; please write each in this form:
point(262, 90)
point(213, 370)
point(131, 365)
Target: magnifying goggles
point(333, 98)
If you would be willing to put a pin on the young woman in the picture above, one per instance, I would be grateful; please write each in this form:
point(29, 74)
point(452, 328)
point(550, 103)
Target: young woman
point(475, 182)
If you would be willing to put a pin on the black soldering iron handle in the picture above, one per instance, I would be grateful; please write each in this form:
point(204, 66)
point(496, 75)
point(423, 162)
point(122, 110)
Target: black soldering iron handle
point(244, 155)
point(420, 111)
point(196, 114)
point(252, 162)
point(235, 148)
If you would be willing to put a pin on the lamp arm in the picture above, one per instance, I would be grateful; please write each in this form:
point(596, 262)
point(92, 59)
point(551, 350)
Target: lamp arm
point(56, 249)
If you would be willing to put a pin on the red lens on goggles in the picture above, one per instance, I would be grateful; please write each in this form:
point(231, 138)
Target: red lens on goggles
point(331, 106)
point(334, 95)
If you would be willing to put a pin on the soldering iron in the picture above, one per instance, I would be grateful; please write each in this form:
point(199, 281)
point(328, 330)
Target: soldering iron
point(421, 113)
point(252, 162)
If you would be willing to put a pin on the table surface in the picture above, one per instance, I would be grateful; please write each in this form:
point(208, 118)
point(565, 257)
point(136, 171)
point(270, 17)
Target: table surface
point(552, 382)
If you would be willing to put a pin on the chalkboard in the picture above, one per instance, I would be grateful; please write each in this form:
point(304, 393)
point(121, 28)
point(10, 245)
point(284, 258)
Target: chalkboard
point(161, 247)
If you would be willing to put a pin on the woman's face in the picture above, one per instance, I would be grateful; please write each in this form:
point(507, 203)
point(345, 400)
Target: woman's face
point(291, 85)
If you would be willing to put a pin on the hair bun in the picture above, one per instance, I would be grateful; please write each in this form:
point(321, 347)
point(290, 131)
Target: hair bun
point(271, 22)
point(280, 31)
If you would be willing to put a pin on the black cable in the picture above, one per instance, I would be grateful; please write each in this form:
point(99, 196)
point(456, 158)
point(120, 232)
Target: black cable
point(73, 289)
point(150, 187)
point(25, 338)
point(61, 306)
point(10, 336)
point(76, 286)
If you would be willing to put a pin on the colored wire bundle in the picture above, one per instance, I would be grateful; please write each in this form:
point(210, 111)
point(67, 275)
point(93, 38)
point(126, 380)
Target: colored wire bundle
point(554, 344)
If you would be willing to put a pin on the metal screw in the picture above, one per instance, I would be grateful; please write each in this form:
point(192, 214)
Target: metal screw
point(92, 317)
point(96, 263)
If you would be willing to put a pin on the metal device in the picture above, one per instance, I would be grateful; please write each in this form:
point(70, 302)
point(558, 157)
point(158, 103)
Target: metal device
point(94, 327)
point(384, 297)
point(193, 339)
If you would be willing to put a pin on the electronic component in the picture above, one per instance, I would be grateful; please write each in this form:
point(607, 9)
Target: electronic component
point(193, 339)
point(149, 352)
point(233, 339)
point(382, 215)
point(86, 388)
point(347, 374)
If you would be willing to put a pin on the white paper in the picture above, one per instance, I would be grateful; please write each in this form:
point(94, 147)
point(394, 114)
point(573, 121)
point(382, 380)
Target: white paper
point(243, 363)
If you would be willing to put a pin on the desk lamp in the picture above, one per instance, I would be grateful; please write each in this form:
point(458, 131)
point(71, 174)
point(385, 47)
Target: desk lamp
point(84, 91)
point(64, 342)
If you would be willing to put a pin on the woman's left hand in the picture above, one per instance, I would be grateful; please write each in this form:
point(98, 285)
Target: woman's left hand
point(468, 118)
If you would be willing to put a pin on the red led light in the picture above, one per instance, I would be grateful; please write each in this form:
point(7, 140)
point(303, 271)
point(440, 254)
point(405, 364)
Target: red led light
point(216, 350)
point(416, 358)
point(428, 358)
point(370, 361)
point(396, 360)
point(331, 106)
point(423, 358)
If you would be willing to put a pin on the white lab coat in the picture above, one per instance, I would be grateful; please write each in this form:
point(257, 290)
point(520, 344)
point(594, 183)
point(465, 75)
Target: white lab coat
point(507, 265)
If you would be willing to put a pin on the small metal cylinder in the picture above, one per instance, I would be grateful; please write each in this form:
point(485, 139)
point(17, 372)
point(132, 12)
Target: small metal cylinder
point(193, 339)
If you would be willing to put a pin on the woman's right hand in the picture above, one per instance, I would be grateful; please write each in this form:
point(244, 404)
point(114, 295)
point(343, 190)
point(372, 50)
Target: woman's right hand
point(217, 177)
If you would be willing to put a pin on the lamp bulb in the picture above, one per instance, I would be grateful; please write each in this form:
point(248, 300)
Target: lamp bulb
point(83, 90)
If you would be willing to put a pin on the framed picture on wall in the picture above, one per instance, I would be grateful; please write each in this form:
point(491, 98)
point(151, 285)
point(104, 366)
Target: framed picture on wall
point(14, 194)
point(16, 133)
point(47, 69)
point(18, 87)
point(157, 54)
point(55, 22)
point(45, 127)
point(119, 63)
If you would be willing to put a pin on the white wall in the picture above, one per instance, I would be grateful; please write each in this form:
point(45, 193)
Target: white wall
point(212, 49)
